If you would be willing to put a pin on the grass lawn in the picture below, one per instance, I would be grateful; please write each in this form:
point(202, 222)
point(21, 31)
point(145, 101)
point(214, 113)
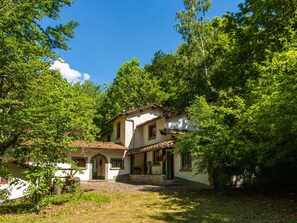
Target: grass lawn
point(165, 206)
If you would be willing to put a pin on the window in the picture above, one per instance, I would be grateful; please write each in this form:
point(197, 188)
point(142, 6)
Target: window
point(118, 130)
point(186, 161)
point(156, 157)
point(80, 161)
point(3, 180)
point(152, 130)
point(117, 163)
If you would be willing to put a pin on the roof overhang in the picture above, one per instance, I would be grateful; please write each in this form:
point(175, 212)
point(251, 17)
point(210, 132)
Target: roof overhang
point(99, 145)
point(132, 110)
point(161, 145)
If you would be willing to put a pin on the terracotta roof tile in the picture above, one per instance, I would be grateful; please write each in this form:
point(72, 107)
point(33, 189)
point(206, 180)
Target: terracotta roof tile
point(99, 145)
point(157, 146)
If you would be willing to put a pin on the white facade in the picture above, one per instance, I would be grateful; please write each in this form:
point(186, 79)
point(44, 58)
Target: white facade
point(132, 130)
point(105, 171)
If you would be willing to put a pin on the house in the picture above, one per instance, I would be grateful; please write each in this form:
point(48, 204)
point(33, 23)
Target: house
point(139, 148)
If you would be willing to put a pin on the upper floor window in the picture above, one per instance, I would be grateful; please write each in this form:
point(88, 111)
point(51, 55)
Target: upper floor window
point(186, 161)
point(152, 131)
point(118, 130)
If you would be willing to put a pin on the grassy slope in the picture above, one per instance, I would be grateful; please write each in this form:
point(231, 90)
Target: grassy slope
point(169, 206)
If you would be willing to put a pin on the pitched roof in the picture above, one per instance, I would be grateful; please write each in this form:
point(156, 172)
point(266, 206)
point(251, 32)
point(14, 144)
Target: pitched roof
point(99, 145)
point(132, 110)
point(157, 146)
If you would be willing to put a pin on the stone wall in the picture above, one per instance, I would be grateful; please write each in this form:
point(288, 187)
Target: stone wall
point(149, 179)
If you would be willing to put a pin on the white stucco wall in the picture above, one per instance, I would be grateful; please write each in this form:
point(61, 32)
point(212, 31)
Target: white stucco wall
point(180, 122)
point(159, 138)
point(156, 168)
point(134, 137)
point(110, 173)
point(113, 136)
point(200, 178)
point(15, 191)
point(18, 190)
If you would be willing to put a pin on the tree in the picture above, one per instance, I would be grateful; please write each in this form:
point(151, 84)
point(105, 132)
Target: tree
point(249, 130)
point(255, 32)
point(270, 122)
point(214, 142)
point(93, 91)
point(132, 87)
point(198, 33)
point(24, 47)
point(40, 113)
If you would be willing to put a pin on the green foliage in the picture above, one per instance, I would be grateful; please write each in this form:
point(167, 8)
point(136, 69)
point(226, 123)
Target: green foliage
point(26, 206)
point(94, 91)
point(40, 113)
point(271, 120)
point(77, 197)
point(213, 142)
point(132, 87)
point(248, 130)
point(56, 200)
point(17, 207)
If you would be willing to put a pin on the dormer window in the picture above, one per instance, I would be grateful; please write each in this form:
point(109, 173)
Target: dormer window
point(152, 131)
point(118, 130)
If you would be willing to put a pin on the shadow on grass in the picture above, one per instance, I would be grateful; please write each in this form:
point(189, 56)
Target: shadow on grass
point(192, 205)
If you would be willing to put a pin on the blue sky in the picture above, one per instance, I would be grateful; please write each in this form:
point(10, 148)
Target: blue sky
point(112, 32)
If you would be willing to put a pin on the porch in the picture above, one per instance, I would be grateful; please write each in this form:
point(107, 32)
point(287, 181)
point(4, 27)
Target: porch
point(153, 164)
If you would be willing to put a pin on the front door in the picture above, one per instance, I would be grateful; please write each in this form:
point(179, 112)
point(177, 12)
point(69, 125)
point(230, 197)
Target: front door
point(98, 167)
point(169, 165)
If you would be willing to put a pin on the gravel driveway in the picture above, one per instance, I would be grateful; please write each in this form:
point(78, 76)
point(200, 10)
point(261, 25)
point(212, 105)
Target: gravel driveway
point(110, 186)
point(106, 186)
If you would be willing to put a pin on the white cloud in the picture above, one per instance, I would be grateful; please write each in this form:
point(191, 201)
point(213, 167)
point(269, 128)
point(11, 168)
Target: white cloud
point(67, 72)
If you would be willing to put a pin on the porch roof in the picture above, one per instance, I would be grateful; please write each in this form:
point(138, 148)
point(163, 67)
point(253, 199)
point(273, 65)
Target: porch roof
point(99, 145)
point(157, 146)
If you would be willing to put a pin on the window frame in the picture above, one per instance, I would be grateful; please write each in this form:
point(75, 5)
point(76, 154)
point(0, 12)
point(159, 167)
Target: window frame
point(152, 131)
point(186, 161)
point(121, 167)
point(76, 159)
